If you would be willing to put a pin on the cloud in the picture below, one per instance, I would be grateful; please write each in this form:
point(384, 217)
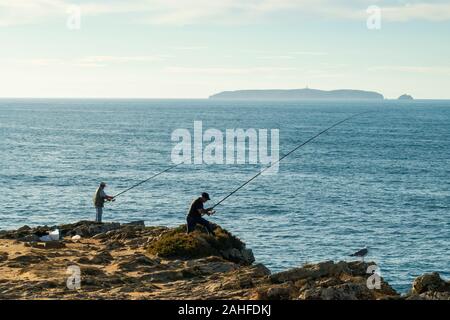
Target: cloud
point(233, 11)
point(14, 12)
point(439, 70)
point(310, 53)
point(190, 48)
point(418, 11)
point(278, 57)
point(121, 59)
point(182, 12)
point(228, 70)
point(90, 61)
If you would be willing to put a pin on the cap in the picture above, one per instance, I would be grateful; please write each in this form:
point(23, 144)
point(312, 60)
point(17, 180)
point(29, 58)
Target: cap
point(206, 196)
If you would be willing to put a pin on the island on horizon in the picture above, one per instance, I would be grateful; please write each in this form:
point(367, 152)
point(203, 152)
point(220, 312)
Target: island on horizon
point(405, 97)
point(297, 94)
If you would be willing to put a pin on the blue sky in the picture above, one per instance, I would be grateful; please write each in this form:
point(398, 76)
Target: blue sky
point(192, 49)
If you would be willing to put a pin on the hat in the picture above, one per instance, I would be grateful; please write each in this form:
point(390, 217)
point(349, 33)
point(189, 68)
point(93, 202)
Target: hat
point(206, 196)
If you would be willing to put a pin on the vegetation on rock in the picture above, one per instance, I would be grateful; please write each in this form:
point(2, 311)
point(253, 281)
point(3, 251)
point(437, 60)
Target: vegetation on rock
point(176, 243)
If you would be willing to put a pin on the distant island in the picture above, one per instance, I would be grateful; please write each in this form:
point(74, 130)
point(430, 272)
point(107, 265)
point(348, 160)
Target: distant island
point(405, 97)
point(297, 94)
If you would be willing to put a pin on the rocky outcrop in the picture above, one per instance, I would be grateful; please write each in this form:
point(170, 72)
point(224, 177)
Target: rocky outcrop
point(177, 244)
point(82, 228)
point(429, 287)
point(132, 261)
point(326, 281)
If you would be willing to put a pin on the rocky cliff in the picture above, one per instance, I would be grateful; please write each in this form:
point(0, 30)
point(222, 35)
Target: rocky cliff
point(132, 261)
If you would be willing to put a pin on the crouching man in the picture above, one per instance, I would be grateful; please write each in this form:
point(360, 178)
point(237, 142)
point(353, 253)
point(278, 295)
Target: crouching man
point(195, 213)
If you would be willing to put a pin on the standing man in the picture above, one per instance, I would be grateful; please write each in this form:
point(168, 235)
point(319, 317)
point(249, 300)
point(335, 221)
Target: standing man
point(195, 213)
point(99, 200)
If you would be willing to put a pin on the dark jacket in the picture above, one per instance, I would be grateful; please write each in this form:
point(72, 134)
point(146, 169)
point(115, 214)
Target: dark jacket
point(195, 206)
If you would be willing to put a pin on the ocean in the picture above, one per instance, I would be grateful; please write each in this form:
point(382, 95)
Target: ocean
point(380, 180)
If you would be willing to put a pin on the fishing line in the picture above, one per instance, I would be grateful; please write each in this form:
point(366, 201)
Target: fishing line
point(144, 181)
point(286, 155)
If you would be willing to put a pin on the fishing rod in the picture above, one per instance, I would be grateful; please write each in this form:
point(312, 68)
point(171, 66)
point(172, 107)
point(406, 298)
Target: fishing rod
point(144, 181)
point(286, 155)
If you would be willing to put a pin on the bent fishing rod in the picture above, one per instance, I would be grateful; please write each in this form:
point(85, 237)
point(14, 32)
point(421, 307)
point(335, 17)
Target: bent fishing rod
point(285, 156)
point(144, 181)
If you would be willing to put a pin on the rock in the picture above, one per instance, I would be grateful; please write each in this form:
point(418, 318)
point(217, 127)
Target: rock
point(345, 291)
point(114, 245)
point(48, 245)
point(137, 262)
point(90, 271)
point(139, 223)
point(259, 270)
point(103, 257)
point(242, 256)
point(164, 276)
point(332, 281)
point(327, 268)
point(3, 256)
point(177, 244)
point(429, 287)
point(278, 293)
point(30, 238)
point(24, 228)
point(26, 260)
point(84, 260)
point(428, 282)
point(210, 265)
point(82, 228)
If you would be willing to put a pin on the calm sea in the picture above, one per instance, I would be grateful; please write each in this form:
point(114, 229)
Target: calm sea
point(381, 180)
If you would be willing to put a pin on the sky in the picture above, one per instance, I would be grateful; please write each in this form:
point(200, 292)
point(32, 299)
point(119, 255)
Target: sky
point(195, 48)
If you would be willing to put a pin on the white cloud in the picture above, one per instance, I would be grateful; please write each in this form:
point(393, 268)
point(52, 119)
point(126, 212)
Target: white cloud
point(418, 11)
point(190, 48)
point(14, 12)
point(310, 53)
point(180, 12)
point(278, 57)
point(90, 61)
point(121, 59)
point(442, 70)
point(228, 70)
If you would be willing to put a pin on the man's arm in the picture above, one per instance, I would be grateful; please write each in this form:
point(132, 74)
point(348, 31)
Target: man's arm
point(208, 211)
point(106, 197)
